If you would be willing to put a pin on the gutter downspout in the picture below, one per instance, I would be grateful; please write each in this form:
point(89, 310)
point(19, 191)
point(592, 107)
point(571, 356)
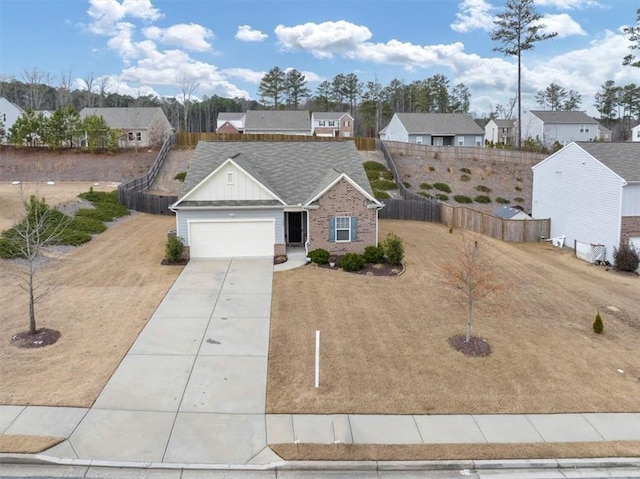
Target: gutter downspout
point(306, 241)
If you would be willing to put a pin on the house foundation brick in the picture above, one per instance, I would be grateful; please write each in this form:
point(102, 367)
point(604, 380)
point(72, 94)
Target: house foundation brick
point(630, 226)
point(279, 249)
point(342, 200)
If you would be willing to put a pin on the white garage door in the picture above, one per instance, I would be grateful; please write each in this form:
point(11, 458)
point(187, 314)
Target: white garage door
point(224, 239)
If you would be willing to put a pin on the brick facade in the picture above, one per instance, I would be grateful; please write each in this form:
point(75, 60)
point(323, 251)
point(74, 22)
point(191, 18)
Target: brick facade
point(342, 200)
point(630, 227)
point(279, 249)
point(227, 128)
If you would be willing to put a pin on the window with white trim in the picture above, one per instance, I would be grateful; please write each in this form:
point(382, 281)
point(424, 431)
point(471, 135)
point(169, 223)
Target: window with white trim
point(130, 136)
point(229, 177)
point(321, 123)
point(478, 141)
point(418, 140)
point(138, 136)
point(343, 228)
point(584, 128)
point(638, 134)
point(461, 141)
point(332, 123)
point(346, 123)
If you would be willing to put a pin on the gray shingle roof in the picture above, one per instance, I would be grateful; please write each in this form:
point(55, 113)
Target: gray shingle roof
point(278, 120)
point(134, 118)
point(440, 123)
point(563, 117)
point(505, 123)
point(294, 171)
point(506, 212)
point(230, 116)
point(329, 115)
point(622, 158)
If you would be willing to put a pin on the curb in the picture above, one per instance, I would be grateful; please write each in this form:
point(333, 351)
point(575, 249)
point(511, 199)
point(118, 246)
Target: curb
point(572, 463)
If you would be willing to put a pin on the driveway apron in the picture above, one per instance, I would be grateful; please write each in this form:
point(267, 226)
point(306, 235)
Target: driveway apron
point(192, 388)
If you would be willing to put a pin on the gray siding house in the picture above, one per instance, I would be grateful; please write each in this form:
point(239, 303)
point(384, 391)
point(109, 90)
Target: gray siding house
point(561, 126)
point(140, 126)
point(258, 198)
point(436, 129)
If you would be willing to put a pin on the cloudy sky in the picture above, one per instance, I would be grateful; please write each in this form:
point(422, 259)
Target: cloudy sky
point(143, 46)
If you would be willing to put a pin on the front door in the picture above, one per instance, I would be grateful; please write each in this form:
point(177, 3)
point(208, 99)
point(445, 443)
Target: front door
point(294, 227)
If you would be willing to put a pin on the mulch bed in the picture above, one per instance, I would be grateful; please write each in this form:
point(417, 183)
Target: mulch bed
point(475, 348)
point(43, 337)
point(180, 262)
point(370, 269)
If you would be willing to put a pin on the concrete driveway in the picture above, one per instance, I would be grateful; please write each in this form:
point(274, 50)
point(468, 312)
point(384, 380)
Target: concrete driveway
point(192, 388)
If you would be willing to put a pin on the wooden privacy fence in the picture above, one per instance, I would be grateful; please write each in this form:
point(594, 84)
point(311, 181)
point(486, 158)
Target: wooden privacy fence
point(494, 226)
point(132, 193)
point(416, 210)
point(190, 140)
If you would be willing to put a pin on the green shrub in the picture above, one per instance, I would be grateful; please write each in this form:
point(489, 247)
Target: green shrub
point(484, 189)
point(374, 165)
point(373, 254)
point(462, 199)
point(442, 197)
point(393, 248)
point(180, 176)
point(465, 178)
point(626, 258)
point(372, 174)
point(9, 248)
point(426, 195)
point(381, 195)
point(466, 170)
point(442, 187)
point(173, 249)
point(87, 224)
point(502, 201)
point(104, 212)
point(319, 256)
point(431, 168)
point(482, 199)
point(425, 186)
point(386, 175)
point(518, 188)
point(383, 185)
point(352, 262)
point(406, 184)
point(518, 199)
point(73, 237)
point(598, 326)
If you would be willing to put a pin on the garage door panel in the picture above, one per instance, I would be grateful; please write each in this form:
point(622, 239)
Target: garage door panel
point(224, 239)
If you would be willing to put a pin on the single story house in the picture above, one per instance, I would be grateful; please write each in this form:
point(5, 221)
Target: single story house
point(9, 113)
point(258, 198)
point(279, 122)
point(591, 192)
point(563, 127)
point(498, 131)
point(605, 134)
point(141, 126)
point(230, 122)
point(334, 124)
point(436, 129)
point(635, 133)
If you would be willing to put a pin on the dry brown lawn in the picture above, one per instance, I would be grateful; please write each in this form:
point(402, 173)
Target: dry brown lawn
point(102, 294)
point(56, 194)
point(384, 340)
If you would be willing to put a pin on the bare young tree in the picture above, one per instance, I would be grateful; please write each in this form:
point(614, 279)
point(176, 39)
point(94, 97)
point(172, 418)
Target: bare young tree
point(103, 84)
point(471, 272)
point(35, 80)
point(39, 227)
point(63, 92)
point(89, 81)
point(188, 85)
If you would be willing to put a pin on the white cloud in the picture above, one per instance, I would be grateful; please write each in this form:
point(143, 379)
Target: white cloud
point(473, 15)
point(568, 4)
point(247, 34)
point(189, 36)
point(244, 74)
point(106, 13)
point(562, 24)
point(323, 40)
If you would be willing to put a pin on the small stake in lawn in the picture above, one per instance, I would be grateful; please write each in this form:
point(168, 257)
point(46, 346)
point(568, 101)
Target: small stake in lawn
point(317, 381)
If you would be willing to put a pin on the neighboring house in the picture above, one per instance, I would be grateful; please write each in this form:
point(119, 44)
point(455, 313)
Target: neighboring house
point(141, 127)
point(604, 134)
point(230, 122)
point(436, 129)
point(9, 113)
point(257, 198)
point(500, 131)
point(591, 192)
point(563, 127)
point(334, 124)
point(279, 122)
point(510, 213)
point(635, 133)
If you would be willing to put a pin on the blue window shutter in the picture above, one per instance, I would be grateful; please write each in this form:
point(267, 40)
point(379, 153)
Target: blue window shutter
point(332, 229)
point(354, 228)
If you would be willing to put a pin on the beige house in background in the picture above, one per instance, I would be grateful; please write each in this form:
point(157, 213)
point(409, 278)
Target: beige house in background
point(333, 124)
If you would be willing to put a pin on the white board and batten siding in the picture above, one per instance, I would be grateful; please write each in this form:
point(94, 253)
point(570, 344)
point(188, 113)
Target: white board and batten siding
point(230, 184)
point(581, 196)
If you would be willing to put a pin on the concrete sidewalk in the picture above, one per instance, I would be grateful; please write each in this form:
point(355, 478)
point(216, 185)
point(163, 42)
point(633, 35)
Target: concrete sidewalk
point(192, 390)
